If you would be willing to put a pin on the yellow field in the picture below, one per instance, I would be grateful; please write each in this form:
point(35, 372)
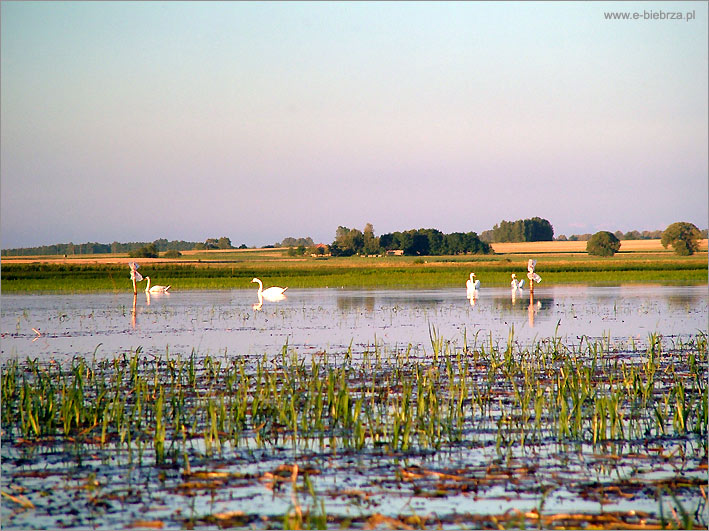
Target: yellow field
point(647, 246)
point(240, 255)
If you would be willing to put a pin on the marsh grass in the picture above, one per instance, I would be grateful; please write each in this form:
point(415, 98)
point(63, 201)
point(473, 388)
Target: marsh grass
point(389, 272)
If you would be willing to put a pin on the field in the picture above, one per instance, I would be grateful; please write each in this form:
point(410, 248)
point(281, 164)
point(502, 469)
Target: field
point(642, 261)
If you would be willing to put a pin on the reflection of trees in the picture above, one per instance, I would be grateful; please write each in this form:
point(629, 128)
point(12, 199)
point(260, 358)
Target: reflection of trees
point(368, 302)
point(684, 301)
point(353, 302)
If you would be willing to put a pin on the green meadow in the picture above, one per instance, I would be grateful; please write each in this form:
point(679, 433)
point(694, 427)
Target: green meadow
point(235, 271)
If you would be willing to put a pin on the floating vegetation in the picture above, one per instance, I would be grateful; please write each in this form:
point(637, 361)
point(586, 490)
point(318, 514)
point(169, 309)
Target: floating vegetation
point(479, 435)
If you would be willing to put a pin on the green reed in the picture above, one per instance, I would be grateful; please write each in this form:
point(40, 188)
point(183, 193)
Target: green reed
point(403, 400)
point(358, 272)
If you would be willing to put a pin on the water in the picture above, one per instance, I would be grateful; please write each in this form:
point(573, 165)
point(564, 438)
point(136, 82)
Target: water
point(106, 487)
point(57, 326)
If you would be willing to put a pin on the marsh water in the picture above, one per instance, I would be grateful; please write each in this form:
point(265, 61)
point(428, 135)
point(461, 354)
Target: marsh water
point(74, 484)
point(60, 325)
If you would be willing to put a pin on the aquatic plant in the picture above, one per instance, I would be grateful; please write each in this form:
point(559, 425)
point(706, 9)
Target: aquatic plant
point(174, 410)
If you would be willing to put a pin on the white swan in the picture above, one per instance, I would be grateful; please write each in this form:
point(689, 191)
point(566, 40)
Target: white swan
point(472, 286)
point(156, 288)
point(271, 294)
point(531, 275)
point(516, 284)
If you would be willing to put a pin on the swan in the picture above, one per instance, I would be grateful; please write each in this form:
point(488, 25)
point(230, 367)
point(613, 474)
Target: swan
point(516, 284)
point(271, 294)
point(472, 286)
point(531, 275)
point(155, 289)
point(134, 275)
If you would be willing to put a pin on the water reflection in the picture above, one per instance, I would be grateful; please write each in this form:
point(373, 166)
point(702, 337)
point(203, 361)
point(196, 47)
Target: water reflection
point(331, 319)
point(349, 302)
point(533, 308)
point(133, 312)
point(520, 305)
point(156, 294)
point(269, 297)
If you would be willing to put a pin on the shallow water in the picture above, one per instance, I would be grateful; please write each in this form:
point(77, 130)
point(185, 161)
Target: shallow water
point(332, 319)
point(110, 486)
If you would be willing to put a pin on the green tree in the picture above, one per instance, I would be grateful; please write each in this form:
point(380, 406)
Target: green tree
point(371, 242)
point(535, 229)
point(224, 243)
point(682, 236)
point(149, 251)
point(347, 242)
point(603, 243)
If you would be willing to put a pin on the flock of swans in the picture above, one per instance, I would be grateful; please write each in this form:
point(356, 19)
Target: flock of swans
point(275, 293)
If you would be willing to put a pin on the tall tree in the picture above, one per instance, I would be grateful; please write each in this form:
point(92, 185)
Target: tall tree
point(371, 242)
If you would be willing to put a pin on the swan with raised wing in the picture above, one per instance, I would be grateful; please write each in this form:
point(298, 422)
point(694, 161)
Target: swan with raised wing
point(531, 275)
point(516, 284)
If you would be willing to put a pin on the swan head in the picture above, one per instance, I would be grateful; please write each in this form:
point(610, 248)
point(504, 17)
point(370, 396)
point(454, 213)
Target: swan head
point(514, 276)
point(254, 280)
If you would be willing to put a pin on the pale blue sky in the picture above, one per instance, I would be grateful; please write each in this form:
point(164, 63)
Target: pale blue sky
point(132, 121)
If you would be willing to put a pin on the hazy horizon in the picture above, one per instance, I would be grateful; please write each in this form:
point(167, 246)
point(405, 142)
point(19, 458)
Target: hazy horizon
point(278, 241)
point(125, 121)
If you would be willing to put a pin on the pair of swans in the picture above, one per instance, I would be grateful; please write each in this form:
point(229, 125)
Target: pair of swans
point(272, 294)
point(516, 284)
point(137, 277)
point(531, 275)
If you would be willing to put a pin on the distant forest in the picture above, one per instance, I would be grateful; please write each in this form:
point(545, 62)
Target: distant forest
point(161, 245)
point(415, 242)
point(522, 230)
point(353, 241)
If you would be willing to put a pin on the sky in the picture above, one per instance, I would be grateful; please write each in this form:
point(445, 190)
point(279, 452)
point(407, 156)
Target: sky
point(133, 121)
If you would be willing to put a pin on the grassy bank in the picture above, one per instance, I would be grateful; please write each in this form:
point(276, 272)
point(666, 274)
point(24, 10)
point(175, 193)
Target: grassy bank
point(355, 272)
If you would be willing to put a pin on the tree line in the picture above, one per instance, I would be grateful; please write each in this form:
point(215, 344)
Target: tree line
point(682, 236)
point(523, 230)
point(154, 247)
point(414, 242)
point(630, 235)
point(353, 241)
